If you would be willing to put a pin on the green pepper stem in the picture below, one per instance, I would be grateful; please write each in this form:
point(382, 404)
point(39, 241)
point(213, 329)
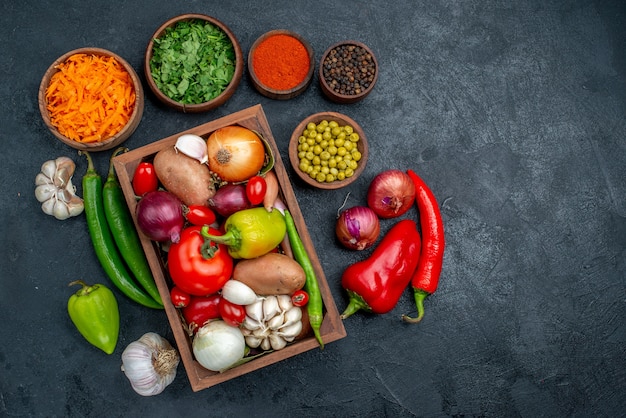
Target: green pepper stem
point(86, 288)
point(232, 237)
point(420, 295)
point(111, 175)
point(356, 304)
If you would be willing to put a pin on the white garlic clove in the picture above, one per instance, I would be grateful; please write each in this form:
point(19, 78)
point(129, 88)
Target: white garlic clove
point(60, 210)
point(277, 342)
point(45, 192)
point(265, 344)
point(292, 316)
point(270, 308)
point(252, 341)
point(48, 206)
point(251, 324)
point(255, 310)
point(276, 322)
point(262, 332)
point(193, 146)
point(76, 206)
point(64, 195)
point(284, 301)
point(64, 171)
point(291, 331)
point(49, 168)
point(42, 179)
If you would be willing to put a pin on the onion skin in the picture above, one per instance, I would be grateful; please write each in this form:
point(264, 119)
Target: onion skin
point(357, 228)
point(160, 216)
point(391, 193)
point(229, 199)
point(235, 153)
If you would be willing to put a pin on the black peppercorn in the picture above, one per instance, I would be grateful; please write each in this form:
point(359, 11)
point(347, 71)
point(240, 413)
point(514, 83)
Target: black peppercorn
point(349, 69)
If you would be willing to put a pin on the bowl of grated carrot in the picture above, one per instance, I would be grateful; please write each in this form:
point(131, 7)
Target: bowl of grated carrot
point(91, 99)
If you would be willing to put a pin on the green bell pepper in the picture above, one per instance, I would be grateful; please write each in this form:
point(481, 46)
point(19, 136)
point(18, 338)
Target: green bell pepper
point(94, 312)
point(250, 233)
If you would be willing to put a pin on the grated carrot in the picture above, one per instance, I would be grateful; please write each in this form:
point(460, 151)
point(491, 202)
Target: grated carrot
point(90, 98)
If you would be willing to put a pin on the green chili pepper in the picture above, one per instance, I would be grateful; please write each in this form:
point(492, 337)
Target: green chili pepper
point(124, 231)
point(250, 233)
point(94, 312)
point(315, 306)
point(102, 240)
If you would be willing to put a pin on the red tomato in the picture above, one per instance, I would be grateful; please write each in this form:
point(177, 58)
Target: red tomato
point(198, 266)
point(200, 310)
point(200, 215)
point(179, 298)
point(232, 313)
point(145, 179)
point(300, 298)
point(255, 189)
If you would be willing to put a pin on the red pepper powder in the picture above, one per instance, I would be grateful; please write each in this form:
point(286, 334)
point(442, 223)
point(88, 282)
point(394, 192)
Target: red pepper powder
point(281, 62)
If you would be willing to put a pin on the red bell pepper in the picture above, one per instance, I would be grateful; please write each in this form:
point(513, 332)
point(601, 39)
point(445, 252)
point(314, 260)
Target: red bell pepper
point(376, 283)
point(426, 277)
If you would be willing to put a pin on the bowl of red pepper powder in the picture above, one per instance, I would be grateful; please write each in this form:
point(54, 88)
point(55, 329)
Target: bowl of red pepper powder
point(281, 64)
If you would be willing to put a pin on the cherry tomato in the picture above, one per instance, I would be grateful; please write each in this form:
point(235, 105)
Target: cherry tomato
point(232, 313)
point(300, 298)
point(179, 298)
point(200, 309)
point(198, 266)
point(200, 215)
point(255, 189)
point(145, 179)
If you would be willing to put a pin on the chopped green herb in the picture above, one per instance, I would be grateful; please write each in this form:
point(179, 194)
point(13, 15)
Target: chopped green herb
point(193, 62)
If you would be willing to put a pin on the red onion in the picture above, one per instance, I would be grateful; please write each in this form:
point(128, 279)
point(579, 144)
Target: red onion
point(357, 228)
point(160, 216)
point(391, 193)
point(229, 199)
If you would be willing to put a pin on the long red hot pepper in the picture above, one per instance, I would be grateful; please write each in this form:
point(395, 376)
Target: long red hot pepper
point(426, 277)
point(376, 283)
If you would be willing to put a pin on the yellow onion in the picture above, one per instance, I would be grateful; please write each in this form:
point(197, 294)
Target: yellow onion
point(235, 153)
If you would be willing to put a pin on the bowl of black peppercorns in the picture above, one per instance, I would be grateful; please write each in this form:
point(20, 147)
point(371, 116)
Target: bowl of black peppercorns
point(348, 72)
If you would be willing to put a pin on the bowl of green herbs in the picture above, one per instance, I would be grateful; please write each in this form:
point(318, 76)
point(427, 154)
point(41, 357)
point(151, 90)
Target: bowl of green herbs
point(193, 63)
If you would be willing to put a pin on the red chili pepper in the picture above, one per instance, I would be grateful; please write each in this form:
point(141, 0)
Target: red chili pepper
point(426, 277)
point(376, 283)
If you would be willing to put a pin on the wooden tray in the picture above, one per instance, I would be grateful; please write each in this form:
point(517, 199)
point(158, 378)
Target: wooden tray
point(332, 327)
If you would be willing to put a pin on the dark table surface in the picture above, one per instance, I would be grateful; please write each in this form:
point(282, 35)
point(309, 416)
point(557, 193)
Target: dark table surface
point(513, 112)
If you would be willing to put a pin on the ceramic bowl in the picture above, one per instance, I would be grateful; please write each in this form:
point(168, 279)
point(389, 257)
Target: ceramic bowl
point(199, 107)
point(342, 120)
point(339, 86)
point(107, 143)
point(272, 92)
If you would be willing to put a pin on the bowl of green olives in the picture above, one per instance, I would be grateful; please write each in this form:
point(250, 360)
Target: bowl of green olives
point(328, 150)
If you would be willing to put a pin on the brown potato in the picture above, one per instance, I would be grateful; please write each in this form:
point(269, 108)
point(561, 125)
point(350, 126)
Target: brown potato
point(184, 177)
point(271, 274)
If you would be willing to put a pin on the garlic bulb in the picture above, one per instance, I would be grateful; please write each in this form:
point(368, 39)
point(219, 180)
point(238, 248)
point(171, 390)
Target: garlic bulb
point(193, 146)
point(55, 191)
point(271, 322)
point(150, 364)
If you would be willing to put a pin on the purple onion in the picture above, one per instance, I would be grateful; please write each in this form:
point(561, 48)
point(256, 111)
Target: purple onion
point(357, 228)
point(160, 216)
point(229, 199)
